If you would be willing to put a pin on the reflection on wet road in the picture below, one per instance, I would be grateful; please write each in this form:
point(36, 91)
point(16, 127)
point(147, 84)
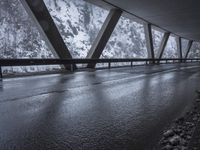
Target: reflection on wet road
point(117, 109)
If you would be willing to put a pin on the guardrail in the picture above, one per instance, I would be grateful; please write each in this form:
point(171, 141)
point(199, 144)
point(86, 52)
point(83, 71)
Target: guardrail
point(73, 62)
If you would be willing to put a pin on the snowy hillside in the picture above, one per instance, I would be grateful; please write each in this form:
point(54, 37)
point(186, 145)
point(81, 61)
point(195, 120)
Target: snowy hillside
point(79, 23)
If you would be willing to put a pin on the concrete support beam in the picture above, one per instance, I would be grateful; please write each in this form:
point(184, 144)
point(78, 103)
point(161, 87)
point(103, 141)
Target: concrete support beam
point(163, 45)
point(104, 35)
point(149, 40)
point(179, 47)
point(188, 48)
point(41, 16)
point(1, 73)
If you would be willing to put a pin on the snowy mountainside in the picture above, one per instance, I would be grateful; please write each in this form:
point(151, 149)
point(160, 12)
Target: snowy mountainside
point(79, 23)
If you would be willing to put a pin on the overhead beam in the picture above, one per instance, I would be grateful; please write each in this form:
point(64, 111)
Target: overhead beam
point(41, 16)
point(149, 40)
point(163, 45)
point(188, 48)
point(104, 35)
point(179, 47)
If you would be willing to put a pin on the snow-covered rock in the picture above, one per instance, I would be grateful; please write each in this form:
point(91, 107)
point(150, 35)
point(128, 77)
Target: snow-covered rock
point(78, 22)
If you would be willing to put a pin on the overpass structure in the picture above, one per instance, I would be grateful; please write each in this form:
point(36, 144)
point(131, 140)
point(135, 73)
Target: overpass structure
point(179, 18)
point(116, 108)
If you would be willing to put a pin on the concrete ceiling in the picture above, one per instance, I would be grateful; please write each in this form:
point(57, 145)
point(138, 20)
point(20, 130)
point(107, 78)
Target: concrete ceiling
point(181, 17)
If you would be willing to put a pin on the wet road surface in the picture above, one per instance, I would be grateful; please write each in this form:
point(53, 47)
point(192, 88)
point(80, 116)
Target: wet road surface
point(117, 109)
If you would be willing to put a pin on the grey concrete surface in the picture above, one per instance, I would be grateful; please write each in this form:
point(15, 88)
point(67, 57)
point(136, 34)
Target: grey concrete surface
point(180, 17)
point(117, 109)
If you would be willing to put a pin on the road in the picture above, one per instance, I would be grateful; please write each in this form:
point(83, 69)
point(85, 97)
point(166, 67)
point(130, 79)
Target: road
point(116, 109)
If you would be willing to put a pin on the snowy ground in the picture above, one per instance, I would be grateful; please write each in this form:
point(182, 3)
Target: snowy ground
point(179, 135)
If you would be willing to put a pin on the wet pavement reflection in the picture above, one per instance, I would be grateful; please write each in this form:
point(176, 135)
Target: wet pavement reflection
point(125, 108)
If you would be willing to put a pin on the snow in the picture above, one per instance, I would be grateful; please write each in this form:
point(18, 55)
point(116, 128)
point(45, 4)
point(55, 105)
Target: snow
point(78, 22)
point(19, 37)
point(171, 50)
point(126, 41)
point(195, 50)
point(157, 38)
point(181, 132)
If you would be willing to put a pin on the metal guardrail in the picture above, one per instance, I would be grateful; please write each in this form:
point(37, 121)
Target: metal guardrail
point(29, 62)
point(72, 62)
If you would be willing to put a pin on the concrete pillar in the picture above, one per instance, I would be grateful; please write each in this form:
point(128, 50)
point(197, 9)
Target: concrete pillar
point(40, 14)
point(104, 35)
point(163, 45)
point(149, 40)
point(188, 48)
point(1, 73)
point(179, 48)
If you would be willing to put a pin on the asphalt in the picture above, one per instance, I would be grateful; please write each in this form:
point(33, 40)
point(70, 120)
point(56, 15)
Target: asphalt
point(116, 109)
